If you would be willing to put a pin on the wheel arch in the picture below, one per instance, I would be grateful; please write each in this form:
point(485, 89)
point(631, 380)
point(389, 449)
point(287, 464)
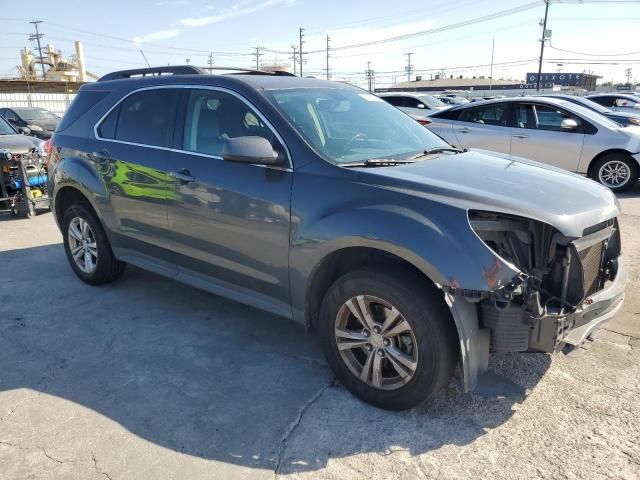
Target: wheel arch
point(342, 261)
point(67, 196)
point(603, 154)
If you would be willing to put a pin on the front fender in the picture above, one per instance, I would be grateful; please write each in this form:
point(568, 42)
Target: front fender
point(441, 245)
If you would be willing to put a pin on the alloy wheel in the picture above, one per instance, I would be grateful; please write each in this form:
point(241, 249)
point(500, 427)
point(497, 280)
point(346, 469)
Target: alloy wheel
point(82, 245)
point(376, 342)
point(614, 174)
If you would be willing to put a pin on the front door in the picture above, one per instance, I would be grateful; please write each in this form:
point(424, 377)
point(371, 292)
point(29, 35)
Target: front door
point(538, 135)
point(230, 221)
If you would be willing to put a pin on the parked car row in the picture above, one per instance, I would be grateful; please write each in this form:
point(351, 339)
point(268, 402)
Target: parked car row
point(574, 133)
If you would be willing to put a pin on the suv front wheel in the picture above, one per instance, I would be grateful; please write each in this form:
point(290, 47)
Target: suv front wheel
point(389, 337)
point(87, 247)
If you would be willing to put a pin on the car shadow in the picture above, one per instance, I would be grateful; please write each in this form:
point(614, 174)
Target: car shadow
point(208, 377)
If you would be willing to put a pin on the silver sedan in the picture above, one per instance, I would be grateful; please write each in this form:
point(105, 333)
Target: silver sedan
point(548, 130)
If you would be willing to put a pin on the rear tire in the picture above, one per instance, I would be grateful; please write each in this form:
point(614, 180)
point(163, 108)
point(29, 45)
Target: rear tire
point(411, 366)
point(87, 247)
point(616, 171)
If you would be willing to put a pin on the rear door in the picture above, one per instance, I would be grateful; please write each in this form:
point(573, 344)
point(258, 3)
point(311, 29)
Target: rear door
point(537, 135)
point(229, 221)
point(484, 126)
point(131, 154)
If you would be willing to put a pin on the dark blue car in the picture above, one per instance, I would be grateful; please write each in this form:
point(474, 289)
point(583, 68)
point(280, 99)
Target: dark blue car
point(623, 118)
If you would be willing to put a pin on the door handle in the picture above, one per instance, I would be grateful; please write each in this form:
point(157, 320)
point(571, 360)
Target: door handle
point(183, 176)
point(464, 130)
point(520, 136)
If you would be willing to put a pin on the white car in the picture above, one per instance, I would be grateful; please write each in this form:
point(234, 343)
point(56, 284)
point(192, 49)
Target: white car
point(548, 130)
point(420, 104)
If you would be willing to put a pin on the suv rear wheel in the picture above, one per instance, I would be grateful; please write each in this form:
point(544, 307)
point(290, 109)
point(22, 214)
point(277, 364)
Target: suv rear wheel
point(389, 337)
point(87, 247)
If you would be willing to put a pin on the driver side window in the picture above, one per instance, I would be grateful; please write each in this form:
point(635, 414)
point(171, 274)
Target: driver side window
point(213, 117)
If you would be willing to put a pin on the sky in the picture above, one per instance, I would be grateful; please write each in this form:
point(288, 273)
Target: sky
point(587, 36)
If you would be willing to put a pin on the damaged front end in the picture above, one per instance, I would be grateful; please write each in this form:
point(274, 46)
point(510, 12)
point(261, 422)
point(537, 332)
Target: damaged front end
point(559, 277)
point(565, 287)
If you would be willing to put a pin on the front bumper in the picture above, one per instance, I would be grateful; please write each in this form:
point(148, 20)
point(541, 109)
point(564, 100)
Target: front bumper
point(596, 310)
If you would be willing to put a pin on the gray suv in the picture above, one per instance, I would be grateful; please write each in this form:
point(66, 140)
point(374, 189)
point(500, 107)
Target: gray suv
point(320, 202)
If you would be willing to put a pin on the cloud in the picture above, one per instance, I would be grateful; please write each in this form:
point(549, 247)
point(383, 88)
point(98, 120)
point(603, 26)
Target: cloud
point(159, 35)
point(233, 12)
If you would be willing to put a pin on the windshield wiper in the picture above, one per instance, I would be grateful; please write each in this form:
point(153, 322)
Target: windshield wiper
point(385, 162)
point(431, 151)
point(379, 162)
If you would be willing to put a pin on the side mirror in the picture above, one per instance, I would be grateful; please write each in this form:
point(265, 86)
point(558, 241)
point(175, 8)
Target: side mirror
point(568, 124)
point(250, 150)
point(421, 105)
point(24, 130)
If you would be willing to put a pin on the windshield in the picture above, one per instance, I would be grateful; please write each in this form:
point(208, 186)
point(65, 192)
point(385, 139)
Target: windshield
point(433, 102)
point(5, 128)
point(36, 114)
point(346, 125)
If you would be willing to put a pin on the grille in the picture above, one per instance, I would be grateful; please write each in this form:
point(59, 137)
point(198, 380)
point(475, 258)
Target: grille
point(586, 274)
point(591, 263)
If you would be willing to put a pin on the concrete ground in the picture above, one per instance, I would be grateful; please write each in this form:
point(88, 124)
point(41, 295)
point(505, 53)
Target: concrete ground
point(150, 379)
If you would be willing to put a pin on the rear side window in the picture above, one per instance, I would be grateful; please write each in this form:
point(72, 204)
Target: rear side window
point(145, 117)
point(84, 101)
point(496, 114)
point(450, 114)
point(395, 101)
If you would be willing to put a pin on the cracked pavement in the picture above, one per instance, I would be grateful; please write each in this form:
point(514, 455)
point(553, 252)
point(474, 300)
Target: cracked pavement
point(151, 379)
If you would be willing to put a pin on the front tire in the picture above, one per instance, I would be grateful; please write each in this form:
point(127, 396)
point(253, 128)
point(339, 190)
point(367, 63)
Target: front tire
point(616, 171)
point(389, 337)
point(87, 247)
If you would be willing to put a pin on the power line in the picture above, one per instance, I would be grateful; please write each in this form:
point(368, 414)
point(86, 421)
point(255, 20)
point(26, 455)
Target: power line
point(472, 21)
point(594, 54)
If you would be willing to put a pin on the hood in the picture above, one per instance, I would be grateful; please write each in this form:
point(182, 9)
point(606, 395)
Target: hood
point(480, 180)
point(18, 143)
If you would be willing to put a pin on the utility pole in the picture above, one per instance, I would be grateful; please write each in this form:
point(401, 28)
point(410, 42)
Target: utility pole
point(210, 62)
point(369, 75)
point(301, 30)
point(409, 68)
point(542, 40)
point(258, 55)
point(328, 74)
point(493, 47)
point(37, 37)
point(627, 72)
point(295, 59)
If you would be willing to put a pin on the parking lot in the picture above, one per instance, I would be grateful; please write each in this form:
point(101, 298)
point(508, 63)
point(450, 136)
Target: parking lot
point(150, 379)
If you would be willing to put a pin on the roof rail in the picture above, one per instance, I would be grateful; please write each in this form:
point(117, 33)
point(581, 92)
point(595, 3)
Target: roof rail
point(187, 70)
point(154, 71)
